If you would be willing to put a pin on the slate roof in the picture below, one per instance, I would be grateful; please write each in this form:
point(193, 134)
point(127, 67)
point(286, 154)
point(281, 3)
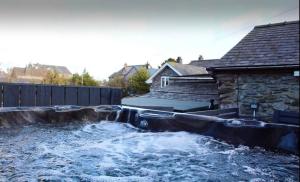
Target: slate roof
point(126, 70)
point(266, 45)
point(18, 71)
point(186, 69)
point(59, 69)
point(37, 71)
point(205, 63)
point(152, 71)
point(180, 70)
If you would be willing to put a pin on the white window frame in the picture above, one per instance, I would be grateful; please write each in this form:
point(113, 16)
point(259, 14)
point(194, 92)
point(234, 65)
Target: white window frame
point(164, 81)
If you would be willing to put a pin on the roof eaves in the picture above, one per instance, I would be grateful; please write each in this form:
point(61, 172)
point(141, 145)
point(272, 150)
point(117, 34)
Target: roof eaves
point(277, 24)
point(198, 75)
point(247, 67)
point(160, 69)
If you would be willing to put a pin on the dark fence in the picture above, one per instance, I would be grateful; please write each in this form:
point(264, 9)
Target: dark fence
point(14, 95)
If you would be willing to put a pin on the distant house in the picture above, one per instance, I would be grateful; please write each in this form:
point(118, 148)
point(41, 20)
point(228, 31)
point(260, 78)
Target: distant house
point(3, 76)
point(262, 71)
point(183, 82)
point(35, 73)
point(127, 71)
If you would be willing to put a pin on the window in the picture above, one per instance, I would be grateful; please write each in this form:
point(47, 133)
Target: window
point(164, 81)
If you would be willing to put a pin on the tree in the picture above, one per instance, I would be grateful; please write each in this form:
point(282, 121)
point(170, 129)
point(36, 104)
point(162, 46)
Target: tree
point(88, 80)
point(104, 82)
point(117, 81)
point(84, 79)
point(54, 78)
point(170, 60)
point(137, 82)
point(76, 79)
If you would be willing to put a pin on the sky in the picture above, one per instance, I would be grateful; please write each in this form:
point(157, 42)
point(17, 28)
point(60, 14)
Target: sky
point(101, 35)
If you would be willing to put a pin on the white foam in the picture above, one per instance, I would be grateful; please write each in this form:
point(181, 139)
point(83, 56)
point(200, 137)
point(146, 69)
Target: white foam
point(104, 178)
point(257, 180)
point(110, 151)
point(236, 122)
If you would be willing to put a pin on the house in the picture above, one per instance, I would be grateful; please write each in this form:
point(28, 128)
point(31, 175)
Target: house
point(261, 72)
point(129, 70)
point(184, 84)
point(3, 76)
point(35, 73)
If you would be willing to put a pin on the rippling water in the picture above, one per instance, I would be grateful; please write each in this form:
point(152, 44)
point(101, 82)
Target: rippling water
point(109, 151)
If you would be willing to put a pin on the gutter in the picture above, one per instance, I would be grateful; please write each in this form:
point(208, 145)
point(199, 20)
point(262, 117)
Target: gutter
point(252, 67)
point(191, 78)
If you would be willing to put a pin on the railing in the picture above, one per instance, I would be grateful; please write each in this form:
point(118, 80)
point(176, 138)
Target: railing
point(15, 95)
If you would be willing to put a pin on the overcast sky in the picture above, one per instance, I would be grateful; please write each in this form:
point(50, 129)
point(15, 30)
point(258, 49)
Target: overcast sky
point(101, 35)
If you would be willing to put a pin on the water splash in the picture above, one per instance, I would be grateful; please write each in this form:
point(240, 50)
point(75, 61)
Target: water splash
point(110, 151)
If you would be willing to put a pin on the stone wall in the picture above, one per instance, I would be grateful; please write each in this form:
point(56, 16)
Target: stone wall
point(156, 80)
point(227, 90)
point(183, 89)
point(182, 96)
point(271, 90)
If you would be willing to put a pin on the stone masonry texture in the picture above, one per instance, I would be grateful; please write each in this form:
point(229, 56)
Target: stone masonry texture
point(272, 91)
point(183, 90)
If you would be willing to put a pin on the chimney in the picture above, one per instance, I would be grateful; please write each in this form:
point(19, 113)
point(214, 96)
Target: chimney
point(200, 58)
point(125, 65)
point(147, 65)
point(179, 60)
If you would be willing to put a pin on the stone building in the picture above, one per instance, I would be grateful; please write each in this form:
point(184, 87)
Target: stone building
point(129, 70)
point(35, 73)
point(183, 82)
point(261, 70)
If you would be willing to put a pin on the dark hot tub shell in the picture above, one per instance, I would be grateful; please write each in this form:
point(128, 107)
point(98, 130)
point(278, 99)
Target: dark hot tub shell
point(276, 137)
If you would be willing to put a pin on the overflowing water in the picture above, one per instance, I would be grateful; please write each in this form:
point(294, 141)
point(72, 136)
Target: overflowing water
point(110, 151)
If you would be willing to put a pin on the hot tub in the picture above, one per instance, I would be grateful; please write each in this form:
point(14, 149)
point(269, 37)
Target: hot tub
point(130, 144)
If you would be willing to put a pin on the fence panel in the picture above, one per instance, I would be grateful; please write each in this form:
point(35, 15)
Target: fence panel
point(11, 95)
point(71, 96)
point(95, 96)
point(15, 95)
point(105, 96)
point(83, 96)
point(28, 93)
point(43, 95)
point(116, 96)
point(57, 95)
point(1, 95)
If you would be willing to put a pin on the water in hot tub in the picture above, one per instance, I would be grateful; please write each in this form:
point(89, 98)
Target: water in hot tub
point(110, 151)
